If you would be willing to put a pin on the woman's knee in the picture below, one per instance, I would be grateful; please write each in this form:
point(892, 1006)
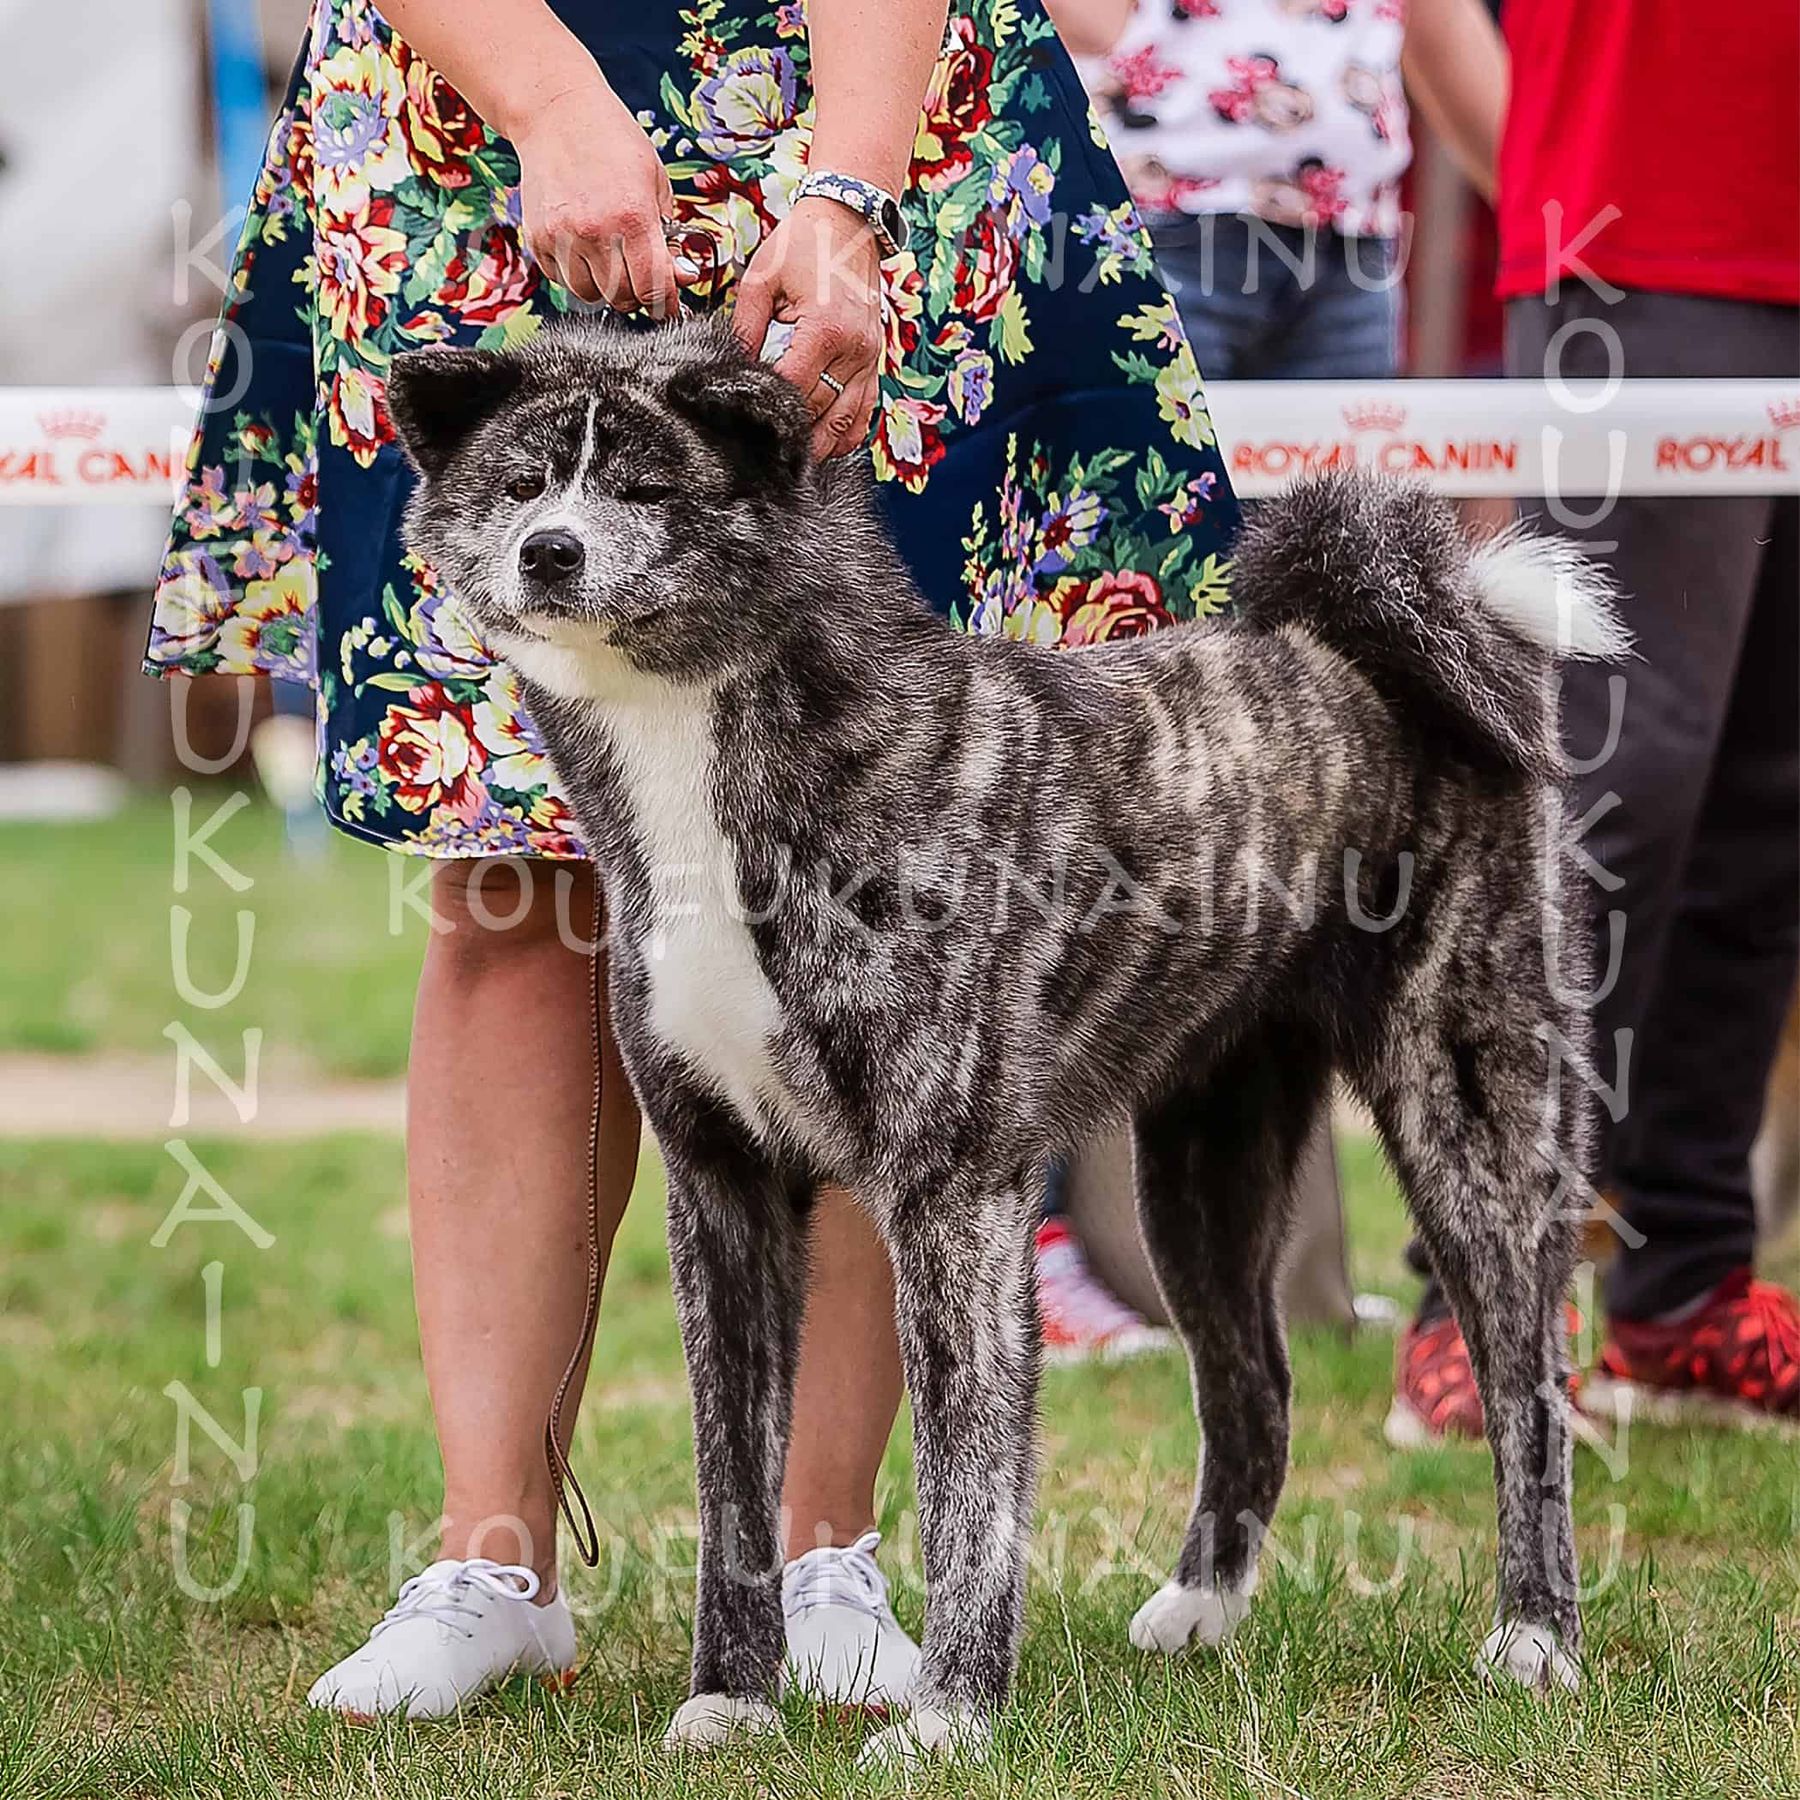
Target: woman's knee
point(489, 913)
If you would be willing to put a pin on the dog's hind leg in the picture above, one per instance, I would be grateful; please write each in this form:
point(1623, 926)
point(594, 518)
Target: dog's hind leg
point(737, 1256)
point(967, 1310)
point(1216, 1164)
point(1490, 1138)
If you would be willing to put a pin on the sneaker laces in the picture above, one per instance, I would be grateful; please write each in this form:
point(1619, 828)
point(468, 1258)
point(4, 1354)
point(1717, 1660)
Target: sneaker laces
point(1778, 1313)
point(446, 1592)
point(837, 1576)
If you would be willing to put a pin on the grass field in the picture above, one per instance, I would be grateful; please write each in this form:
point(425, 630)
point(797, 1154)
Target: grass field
point(115, 1682)
point(85, 916)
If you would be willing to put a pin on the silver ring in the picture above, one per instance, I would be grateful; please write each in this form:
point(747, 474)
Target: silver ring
point(832, 382)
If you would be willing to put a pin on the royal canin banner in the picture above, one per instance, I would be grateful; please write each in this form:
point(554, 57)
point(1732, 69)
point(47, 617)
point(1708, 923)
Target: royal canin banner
point(93, 446)
point(1516, 437)
point(127, 446)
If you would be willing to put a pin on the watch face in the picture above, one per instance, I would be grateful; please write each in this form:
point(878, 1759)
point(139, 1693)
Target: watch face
point(891, 222)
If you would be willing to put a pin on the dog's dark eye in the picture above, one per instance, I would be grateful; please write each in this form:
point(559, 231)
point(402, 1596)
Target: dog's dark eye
point(525, 487)
point(646, 493)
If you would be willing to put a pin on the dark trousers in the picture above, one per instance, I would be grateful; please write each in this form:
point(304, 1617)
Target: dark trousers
point(1699, 804)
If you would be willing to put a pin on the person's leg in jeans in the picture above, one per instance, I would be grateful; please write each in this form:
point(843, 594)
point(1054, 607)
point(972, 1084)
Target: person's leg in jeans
point(1332, 313)
point(1272, 303)
point(1262, 302)
point(1342, 319)
point(1230, 291)
point(1252, 297)
point(1203, 263)
point(1081, 1317)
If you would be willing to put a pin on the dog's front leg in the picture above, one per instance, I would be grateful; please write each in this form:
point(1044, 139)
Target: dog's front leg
point(967, 1310)
point(736, 1248)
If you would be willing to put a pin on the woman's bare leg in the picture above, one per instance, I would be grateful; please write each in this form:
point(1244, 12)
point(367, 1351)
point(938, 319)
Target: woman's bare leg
point(499, 1111)
point(499, 1115)
point(849, 1382)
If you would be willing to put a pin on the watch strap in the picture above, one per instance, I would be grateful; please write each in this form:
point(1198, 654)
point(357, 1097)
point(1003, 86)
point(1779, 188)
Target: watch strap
point(875, 204)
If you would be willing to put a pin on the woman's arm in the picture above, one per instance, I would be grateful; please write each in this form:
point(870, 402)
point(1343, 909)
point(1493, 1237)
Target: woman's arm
point(871, 63)
point(592, 189)
point(508, 58)
point(1091, 27)
point(1456, 71)
point(820, 268)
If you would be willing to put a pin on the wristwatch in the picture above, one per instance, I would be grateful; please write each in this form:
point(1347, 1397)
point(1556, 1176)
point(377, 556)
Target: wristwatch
point(875, 204)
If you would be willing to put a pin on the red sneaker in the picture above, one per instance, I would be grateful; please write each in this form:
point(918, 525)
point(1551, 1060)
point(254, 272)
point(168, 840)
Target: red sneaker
point(1434, 1387)
point(1435, 1395)
point(1734, 1362)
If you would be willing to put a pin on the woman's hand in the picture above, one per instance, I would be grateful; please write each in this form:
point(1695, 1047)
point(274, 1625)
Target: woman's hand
point(594, 196)
point(820, 270)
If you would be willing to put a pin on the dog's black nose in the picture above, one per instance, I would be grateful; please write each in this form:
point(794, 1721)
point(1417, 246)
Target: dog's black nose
point(551, 555)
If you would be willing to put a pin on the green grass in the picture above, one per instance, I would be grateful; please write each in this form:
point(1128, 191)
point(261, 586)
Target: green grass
point(85, 916)
point(114, 1683)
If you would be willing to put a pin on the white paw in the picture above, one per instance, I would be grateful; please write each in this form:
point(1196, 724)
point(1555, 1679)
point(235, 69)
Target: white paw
point(707, 1720)
point(1529, 1655)
point(1175, 1616)
point(929, 1732)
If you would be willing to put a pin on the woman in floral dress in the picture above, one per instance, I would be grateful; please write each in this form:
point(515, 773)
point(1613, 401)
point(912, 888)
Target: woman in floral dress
point(1037, 423)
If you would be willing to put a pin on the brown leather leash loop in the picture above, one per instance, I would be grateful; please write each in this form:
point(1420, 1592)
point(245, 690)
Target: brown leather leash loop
point(695, 243)
point(583, 1530)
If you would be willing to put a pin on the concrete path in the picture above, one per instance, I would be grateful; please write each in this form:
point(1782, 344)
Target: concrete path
point(117, 1097)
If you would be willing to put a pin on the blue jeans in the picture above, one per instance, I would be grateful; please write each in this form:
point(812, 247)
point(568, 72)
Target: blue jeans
point(1268, 302)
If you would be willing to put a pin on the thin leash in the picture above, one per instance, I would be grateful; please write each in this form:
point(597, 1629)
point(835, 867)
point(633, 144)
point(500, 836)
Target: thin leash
point(583, 1530)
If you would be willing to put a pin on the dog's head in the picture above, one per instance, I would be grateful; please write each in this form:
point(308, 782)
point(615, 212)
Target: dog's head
point(616, 494)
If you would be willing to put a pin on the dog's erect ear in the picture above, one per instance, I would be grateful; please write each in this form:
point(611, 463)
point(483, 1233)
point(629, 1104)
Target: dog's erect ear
point(437, 397)
point(757, 414)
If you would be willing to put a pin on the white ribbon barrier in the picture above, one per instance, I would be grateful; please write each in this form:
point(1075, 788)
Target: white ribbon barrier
point(93, 446)
point(127, 446)
point(1517, 437)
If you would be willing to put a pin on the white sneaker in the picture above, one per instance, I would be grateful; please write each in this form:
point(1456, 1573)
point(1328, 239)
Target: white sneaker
point(844, 1645)
point(458, 1629)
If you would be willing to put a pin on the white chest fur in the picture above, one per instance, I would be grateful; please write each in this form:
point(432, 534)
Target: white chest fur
point(710, 1002)
point(709, 999)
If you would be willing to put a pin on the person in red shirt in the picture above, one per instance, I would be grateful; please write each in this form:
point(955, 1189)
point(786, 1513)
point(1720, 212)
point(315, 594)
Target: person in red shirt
point(1649, 213)
point(1653, 146)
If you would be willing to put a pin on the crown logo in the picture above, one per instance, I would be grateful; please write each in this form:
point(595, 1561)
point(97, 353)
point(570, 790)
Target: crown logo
point(72, 422)
point(1375, 415)
point(1784, 413)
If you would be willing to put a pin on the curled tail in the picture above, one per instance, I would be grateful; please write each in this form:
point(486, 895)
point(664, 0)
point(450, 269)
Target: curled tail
point(1464, 637)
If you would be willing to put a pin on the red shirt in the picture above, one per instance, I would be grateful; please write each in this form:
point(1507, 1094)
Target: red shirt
point(1684, 115)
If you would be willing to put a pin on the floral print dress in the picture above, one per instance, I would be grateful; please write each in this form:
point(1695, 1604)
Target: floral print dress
point(1043, 445)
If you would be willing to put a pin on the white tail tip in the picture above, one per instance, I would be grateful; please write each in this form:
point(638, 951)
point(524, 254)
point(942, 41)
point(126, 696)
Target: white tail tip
point(1547, 590)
